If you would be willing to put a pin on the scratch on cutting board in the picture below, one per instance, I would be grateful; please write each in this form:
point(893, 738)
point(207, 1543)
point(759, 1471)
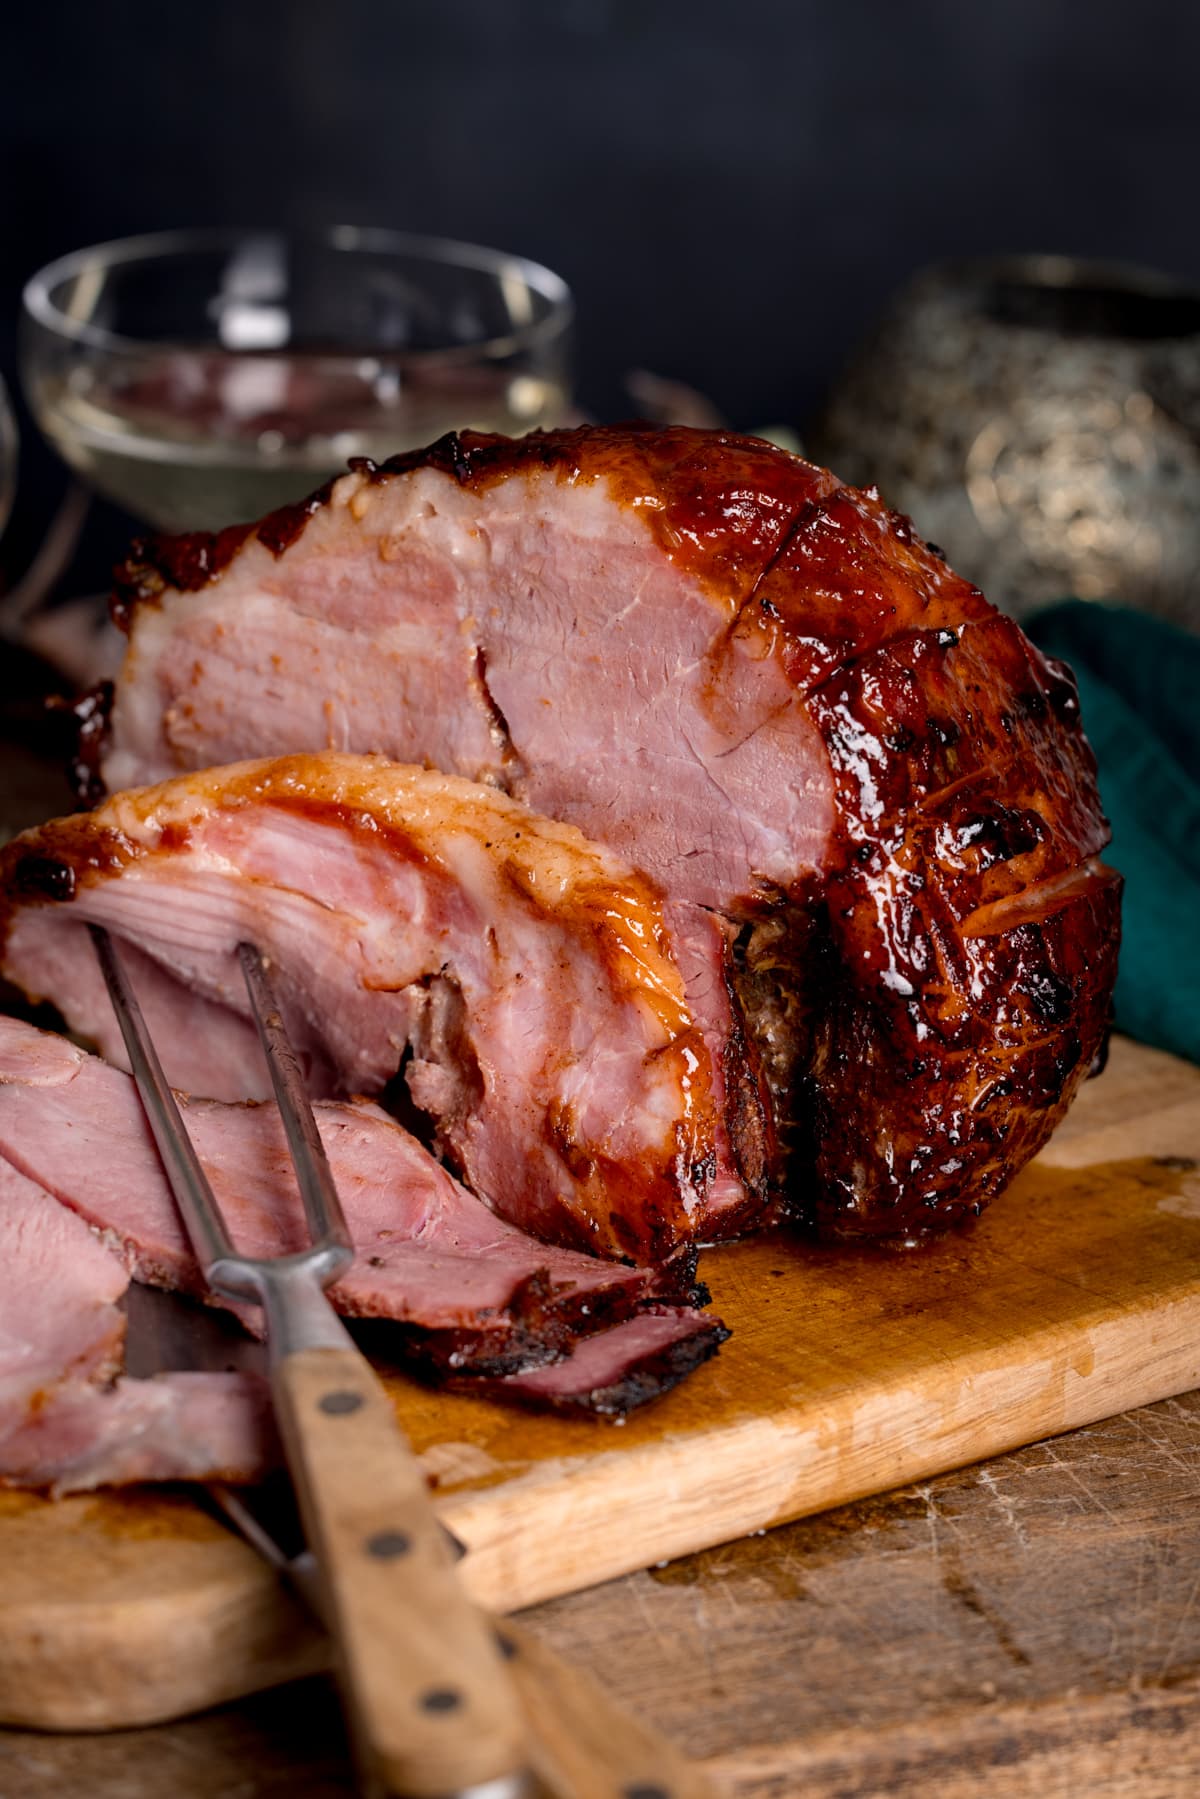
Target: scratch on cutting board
point(952, 1582)
point(1004, 1505)
point(1185, 1612)
point(666, 1645)
point(1091, 1496)
point(860, 1621)
point(932, 1519)
point(1162, 1448)
point(705, 1635)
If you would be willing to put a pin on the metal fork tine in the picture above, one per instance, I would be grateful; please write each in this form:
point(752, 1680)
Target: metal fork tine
point(189, 1183)
point(322, 1206)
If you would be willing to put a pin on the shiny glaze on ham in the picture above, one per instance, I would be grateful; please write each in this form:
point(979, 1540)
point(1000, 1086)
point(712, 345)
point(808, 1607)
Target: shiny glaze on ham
point(755, 683)
point(527, 974)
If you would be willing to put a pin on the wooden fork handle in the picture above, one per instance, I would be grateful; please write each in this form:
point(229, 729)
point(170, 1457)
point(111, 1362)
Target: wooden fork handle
point(430, 1700)
point(582, 1744)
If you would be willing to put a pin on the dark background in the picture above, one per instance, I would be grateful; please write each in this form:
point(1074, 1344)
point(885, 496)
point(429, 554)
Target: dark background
point(732, 189)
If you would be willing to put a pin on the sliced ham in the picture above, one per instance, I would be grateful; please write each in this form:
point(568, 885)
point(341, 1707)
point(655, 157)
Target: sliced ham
point(470, 1291)
point(755, 684)
point(68, 1419)
point(524, 979)
point(84, 1203)
point(59, 1318)
point(505, 610)
point(198, 1427)
point(620, 1369)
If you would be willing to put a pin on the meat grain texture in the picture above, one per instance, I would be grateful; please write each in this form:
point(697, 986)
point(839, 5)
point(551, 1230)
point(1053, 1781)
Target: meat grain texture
point(468, 1299)
point(69, 1418)
point(763, 691)
point(524, 978)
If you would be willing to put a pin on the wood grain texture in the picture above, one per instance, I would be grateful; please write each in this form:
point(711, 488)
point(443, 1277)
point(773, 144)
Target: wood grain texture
point(434, 1710)
point(583, 1745)
point(1077, 1296)
point(117, 1611)
point(852, 1371)
point(1028, 1627)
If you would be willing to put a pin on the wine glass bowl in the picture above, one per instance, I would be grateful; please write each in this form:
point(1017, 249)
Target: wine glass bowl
point(202, 377)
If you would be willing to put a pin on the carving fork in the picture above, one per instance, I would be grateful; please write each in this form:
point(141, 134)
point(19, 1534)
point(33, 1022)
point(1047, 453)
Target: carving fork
point(431, 1706)
point(440, 1702)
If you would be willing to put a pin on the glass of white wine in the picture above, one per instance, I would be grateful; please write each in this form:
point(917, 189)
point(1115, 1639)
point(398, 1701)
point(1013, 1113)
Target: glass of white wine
point(200, 378)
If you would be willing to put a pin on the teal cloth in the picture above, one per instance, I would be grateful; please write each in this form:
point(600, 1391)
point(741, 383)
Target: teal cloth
point(1139, 690)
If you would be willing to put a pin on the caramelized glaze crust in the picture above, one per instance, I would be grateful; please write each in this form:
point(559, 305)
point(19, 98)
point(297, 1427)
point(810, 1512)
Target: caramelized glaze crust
point(891, 798)
point(720, 503)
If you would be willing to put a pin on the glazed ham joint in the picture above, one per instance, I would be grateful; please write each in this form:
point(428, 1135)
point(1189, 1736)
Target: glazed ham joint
point(652, 825)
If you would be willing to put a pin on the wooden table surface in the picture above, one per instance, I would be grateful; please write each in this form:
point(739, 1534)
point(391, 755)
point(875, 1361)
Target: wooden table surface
point(1028, 1626)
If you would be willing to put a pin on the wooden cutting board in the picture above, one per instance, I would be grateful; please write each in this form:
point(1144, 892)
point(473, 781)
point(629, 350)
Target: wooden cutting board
point(848, 1373)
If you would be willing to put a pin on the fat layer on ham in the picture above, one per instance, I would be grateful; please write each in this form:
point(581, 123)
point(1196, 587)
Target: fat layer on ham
point(522, 978)
point(756, 684)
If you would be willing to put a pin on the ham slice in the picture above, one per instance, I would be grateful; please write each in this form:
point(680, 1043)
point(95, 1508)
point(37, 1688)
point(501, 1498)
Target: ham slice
point(458, 1293)
point(752, 682)
point(60, 1319)
point(523, 976)
point(68, 1419)
point(470, 1291)
point(198, 1427)
point(619, 1369)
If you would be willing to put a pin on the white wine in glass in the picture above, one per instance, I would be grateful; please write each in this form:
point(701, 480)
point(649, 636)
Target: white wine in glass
point(199, 379)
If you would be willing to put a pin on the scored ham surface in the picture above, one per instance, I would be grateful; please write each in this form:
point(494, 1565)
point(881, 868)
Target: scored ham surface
point(574, 1079)
point(68, 1418)
point(757, 685)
